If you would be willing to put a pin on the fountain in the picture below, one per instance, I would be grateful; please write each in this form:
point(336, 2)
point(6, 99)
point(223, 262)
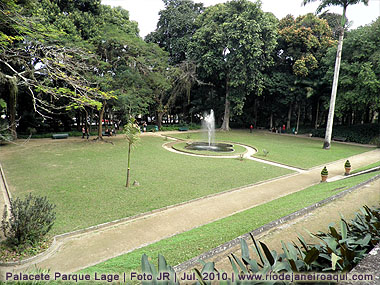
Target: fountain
point(208, 125)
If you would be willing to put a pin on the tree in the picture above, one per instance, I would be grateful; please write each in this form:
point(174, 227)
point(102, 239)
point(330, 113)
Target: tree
point(175, 28)
point(302, 44)
point(132, 134)
point(359, 82)
point(232, 46)
point(37, 57)
point(344, 4)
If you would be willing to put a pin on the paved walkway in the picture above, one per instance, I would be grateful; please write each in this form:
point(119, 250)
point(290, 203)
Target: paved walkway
point(82, 250)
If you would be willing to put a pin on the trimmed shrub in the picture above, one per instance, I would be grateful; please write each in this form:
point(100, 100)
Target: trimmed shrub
point(29, 221)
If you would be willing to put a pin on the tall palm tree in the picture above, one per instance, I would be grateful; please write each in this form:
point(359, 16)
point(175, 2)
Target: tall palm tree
point(323, 5)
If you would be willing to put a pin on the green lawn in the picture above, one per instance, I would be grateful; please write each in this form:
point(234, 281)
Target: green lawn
point(366, 167)
point(86, 180)
point(296, 151)
point(184, 246)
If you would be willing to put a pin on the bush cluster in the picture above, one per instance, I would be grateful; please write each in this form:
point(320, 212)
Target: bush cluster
point(175, 127)
point(28, 221)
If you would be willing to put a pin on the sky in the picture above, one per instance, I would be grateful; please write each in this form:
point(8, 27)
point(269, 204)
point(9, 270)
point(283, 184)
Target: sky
point(145, 12)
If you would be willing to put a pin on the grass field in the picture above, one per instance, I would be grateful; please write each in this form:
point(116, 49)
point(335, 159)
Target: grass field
point(86, 180)
point(290, 150)
point(184, 246)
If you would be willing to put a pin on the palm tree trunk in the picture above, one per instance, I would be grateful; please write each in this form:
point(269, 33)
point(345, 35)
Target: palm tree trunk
point(330, 120)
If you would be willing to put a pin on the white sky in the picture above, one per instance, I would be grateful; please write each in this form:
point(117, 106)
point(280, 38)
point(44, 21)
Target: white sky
point(145, 12)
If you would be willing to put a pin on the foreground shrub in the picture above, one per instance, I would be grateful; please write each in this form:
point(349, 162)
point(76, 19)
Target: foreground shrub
point(29, 220)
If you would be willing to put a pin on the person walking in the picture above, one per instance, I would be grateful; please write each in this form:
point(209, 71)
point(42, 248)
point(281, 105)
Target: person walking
point(251, 128)
point(83, 132)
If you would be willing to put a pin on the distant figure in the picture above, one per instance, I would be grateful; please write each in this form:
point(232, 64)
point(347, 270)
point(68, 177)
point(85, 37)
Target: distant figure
point(83, 132)
point(283, 128)
point(87, 133)
point(250, 128)
point(144, 126)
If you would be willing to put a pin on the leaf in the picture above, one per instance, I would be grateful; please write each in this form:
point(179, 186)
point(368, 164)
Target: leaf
point(199, 277)
point(162, 265)
point(303, 242)
point(243, 268)
point(334, 233)
point(244, 249)
point(334, 260)
point(343, 228)
point(253, 264)
point(145, 266)
point(234, 267)
point(311, 256)
point(267, 253)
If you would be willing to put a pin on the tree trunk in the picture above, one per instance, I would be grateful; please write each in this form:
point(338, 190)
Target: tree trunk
point(128, 169)
point(289, 116)
point(101, 114)
point(330, 120)
point(255, 116)
point(316, 116)
point(160, 115)
point(271, 121)
point(298, 117)
point(12, 106)
point(91, 120)
point(78, 120)
point(226, 118)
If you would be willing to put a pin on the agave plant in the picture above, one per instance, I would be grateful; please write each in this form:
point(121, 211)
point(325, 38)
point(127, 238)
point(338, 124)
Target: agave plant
point(148, 268)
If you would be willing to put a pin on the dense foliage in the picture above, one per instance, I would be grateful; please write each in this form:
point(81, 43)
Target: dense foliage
point(70, 64)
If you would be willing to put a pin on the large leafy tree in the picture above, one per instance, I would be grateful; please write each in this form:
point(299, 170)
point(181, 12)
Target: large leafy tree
point(175, 28)
point(359, 82)
point(232, 47)
point(302, 44)
point(344, 4)
point(33, 58)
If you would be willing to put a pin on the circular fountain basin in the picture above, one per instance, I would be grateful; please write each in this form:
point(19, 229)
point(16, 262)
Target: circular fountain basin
point(205, 146)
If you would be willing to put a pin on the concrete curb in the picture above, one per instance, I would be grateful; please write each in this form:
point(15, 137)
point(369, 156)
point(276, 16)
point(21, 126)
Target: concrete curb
point(224, 247)
point(7, 192)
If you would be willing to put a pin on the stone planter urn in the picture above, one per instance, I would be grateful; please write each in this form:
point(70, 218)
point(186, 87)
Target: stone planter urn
point(347, 168)
point(324, 174)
